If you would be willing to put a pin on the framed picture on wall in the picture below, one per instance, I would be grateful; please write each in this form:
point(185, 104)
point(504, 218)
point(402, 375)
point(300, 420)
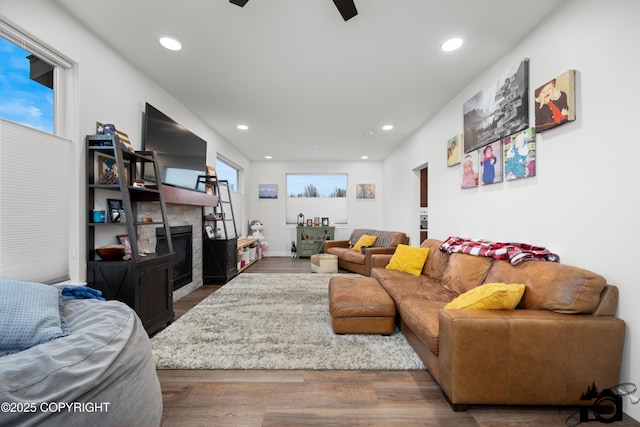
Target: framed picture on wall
point(520, 155)
point(454, 149)
point(555, 101)
point(267, 191)
point(365, 191)
point(491, 163)
point(470, 170)
point(499, 110)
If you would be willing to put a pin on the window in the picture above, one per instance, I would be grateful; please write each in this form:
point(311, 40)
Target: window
point(26, 88)
point(226, 170)
point(317, 195)
point(32, 82)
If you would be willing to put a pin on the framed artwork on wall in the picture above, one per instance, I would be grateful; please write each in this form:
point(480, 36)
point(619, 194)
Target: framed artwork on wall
point(491, 163)
point(499, 110)
point(470, 170)
point(365, 191)
point(520, 155)
point(267, 191)
point(555, 101)
point(454, 150)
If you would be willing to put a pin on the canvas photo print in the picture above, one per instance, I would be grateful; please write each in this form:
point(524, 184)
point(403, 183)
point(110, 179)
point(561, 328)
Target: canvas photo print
point(454, 150)
point(470, 170)
point(499, 110)
point(555, 102)
point(491, 163)
point(520, 155)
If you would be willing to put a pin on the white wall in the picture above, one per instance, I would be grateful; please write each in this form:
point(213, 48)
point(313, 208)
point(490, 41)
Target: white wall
point(363, 213)
point(583, 202)
point(106, 89)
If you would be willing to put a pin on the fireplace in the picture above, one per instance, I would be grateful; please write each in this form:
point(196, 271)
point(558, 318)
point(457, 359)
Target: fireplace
point(182, 240)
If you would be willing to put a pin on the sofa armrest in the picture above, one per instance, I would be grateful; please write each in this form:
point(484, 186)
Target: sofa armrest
point(526, 357)
point(335, 244)
point(375, 250)
point(380, 260)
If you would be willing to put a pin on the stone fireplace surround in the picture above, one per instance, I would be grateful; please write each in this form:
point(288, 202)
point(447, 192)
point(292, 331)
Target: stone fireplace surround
point(178, 214)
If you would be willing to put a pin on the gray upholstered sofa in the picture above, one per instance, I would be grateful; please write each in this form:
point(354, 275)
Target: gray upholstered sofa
point(359, 261)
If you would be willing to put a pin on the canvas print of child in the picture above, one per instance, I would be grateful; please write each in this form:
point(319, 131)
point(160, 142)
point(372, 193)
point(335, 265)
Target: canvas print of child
point(470, 170)
point(555, 102)
point(491, 163)
point(454, 150)
point(520, 155)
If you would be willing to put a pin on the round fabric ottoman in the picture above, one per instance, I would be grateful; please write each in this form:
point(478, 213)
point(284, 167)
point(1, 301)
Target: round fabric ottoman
point(324, 263)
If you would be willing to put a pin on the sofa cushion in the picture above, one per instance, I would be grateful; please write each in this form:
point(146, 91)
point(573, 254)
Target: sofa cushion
point(401, 286)
point(465, 272)
point(349, 255)
point(437, 260)
point(408, 259)
point(490, 296)
point(384, 238)
point(364, 240)
point(552, 286)
point(422, 317)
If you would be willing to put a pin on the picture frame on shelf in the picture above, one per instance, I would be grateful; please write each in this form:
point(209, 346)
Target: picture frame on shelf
point(309, 222)
point(325, 221)
point(123, 239)
point(106, 171)
point(115, 211)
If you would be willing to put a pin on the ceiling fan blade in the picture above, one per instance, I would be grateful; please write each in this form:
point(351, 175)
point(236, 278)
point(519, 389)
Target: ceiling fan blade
point(240, 3)
point(346, 8)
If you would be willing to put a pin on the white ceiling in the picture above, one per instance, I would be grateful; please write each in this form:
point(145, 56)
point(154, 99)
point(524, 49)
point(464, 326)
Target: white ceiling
point(308, 84)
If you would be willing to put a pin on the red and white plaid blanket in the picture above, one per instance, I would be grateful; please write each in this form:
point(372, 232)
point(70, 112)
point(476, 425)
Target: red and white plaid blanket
point(513, 252)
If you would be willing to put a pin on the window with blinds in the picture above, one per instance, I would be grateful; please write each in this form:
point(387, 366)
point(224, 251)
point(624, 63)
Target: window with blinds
point(35, 201)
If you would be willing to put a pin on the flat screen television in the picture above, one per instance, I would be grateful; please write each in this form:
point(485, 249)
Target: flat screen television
point(181, 154)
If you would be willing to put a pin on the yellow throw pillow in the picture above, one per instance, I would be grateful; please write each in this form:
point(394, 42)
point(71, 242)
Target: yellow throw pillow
point(364, 240)
point(408, 259)
point(490, 296)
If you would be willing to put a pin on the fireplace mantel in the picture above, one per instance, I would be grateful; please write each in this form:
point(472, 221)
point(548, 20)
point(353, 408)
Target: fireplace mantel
point(180, 196)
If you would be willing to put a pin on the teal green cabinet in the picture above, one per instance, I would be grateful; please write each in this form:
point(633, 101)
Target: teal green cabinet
point(310, 240)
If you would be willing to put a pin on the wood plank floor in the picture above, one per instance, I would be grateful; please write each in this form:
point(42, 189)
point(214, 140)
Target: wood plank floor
point(326, 398)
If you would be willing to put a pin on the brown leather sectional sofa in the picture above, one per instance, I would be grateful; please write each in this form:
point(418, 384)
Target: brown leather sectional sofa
point(562, 338)
point(360, 261)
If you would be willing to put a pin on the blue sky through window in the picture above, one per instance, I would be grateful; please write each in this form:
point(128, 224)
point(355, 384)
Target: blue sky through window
point(23, 100)
point(325, 183)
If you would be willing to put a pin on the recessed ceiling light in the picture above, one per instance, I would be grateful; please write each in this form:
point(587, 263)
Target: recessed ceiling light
point(170, 43)
point(387, 127)
point(364, 157)
point(268, 157)
point(452, 44)
point(243, 127)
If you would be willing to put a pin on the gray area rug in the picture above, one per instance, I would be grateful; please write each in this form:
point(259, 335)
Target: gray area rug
point(274, 321)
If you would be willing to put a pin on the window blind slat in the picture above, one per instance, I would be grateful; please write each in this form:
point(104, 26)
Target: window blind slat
point(35, 202)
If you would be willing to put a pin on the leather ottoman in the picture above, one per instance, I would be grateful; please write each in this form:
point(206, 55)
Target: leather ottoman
point(359, 305)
